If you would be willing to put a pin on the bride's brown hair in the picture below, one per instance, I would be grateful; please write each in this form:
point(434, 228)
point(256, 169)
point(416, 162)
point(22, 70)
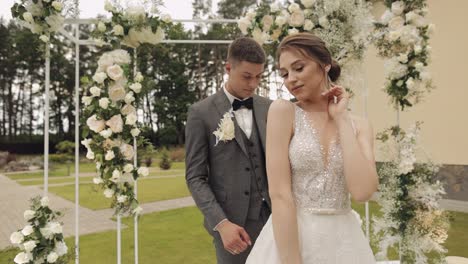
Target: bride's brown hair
point(313, 47)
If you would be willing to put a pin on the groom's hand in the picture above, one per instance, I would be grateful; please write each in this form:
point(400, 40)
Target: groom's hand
point(235, 238)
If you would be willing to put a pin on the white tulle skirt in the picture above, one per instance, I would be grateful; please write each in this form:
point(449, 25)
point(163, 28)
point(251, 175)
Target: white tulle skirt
point(324, 239)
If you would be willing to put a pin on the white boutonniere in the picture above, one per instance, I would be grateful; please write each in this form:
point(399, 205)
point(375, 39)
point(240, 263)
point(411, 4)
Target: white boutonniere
point(225, 131)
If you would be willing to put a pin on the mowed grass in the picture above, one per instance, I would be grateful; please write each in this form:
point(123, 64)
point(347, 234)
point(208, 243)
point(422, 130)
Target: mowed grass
point(149, 190)
point(169, 237)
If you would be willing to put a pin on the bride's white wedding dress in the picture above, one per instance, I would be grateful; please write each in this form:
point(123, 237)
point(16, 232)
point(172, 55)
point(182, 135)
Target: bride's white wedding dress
point(329, 231)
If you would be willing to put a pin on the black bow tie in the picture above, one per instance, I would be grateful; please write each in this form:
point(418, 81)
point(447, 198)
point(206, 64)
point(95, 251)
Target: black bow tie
point(247, 103)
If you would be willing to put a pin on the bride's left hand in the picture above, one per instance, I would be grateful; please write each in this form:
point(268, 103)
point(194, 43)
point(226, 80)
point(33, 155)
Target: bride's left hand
point(340, 108)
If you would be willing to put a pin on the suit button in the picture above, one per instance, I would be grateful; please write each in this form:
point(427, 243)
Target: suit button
point(246, 193)
point(247, 169)
point(251, 144)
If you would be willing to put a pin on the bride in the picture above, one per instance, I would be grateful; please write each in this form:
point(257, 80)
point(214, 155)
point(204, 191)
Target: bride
point(317, 156)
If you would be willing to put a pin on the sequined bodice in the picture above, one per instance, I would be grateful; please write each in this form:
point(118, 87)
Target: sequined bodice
point(317, 187)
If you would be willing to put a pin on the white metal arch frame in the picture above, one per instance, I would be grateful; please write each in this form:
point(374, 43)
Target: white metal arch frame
point(78, 42)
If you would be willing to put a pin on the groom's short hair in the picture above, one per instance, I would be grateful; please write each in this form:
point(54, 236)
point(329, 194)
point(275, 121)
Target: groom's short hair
point(245, 49)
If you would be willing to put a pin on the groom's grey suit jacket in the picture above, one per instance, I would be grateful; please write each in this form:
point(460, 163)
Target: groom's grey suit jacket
point(219, 177)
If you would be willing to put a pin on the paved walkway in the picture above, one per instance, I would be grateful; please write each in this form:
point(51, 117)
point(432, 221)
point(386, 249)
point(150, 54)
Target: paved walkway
point(14, 200)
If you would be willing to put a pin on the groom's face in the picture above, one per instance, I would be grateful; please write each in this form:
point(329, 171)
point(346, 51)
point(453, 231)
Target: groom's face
point(244, 78)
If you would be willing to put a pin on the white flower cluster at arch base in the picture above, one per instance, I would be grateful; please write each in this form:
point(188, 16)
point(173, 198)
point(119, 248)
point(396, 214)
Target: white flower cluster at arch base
point(111, 127)
point(41, 240)
point(344, 25)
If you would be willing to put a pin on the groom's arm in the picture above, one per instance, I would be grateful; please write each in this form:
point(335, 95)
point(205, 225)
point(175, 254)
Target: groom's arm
point(197, 168)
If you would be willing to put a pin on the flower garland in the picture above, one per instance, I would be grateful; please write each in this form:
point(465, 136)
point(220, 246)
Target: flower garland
point(42, 17)
point(110, 128)
point(402, 37)
point(41, 241)
point(344, 25)
point(409, 199)
point(131, 26)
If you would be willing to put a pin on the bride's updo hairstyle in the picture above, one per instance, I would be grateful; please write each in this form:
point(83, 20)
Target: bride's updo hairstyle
point(312, 47)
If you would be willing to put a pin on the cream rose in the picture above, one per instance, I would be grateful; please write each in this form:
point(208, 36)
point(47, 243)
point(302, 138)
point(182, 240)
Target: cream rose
point(296, 19)
point(116, 92)
point(136, 87)
point(104, 102)
point(94, 124)
point(127, 151)
point(109, 155)
point(115, 72)
point(128, 109)
point(115, 123)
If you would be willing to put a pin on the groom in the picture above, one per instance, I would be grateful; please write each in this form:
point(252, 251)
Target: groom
point(225, 171)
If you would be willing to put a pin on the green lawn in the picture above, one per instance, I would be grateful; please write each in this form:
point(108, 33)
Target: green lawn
point(169, 237)
point(149, 190)
point(55, 171)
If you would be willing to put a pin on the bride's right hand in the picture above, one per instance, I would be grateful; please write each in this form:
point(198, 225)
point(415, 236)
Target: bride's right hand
point(235, 238)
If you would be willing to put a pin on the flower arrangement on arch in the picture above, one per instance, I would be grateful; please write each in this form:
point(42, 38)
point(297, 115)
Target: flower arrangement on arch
point(41, 240)
point(42, 17)
point(409, 199)
point(111, 126)
point(132, 26)
point(402, 39)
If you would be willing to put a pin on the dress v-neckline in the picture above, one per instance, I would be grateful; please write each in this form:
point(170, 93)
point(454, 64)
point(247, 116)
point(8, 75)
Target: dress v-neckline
point(325, 159)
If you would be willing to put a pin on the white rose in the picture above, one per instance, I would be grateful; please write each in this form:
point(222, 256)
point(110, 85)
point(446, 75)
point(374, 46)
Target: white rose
point(294, 7)
point(419, 21)
point(97, 180)
point(94, 124)
point(417, 49)
point(61, 248)
point(396, 23)
point(120, 56)
point(136, 87)
point(115, 123)
point(425, 76)
point(55, 227)
point(394, 35)
point(108, 193)
point(131, 119)
point(251, 14)
point(16, 238)
point(274, 7)
point(44, 38)
point(104, 102)
point(99, 77)
point(98, 165)
point(86, 100)
point(128, 167)
point(403, 58)
point(308, 3)
point(127, 151)
point(95, 91)
point(116, 92)
point(108, 6)
point(29, 246)
point(244, 24)
point(57, 5)
point(106, 133)
point(52, 257)
point(27, 230)
point(431, 28)
point(137, 211)
point(55, 22)
point(23, 258)
point(109, 155)
point(398, 7)
point(419, 66)
point(296, 19)
point(143, 171)
point(276, 33)
point(28, 17)
point(410, 83)
point(280, 20)
point(292, 31)
point(159, 36)
point(129, 98)
point(90, 154)
point(118, 30)
point(308, 25)
point(36, 29)
point(138, 78)
point(399, 83)
point(28, 215)
point(128, 109)
point(323, 21)
point(87, 142)
point(116, 175)
point(259, 36)
point(115, 72)
point(135, 132)
point(45, 201)
point(101, 27)
point(166, 18)
point(267, 21)
point(121, 198)
point(386, 17)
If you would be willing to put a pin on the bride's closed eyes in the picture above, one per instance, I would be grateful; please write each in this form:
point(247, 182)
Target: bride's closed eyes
point(297, 68)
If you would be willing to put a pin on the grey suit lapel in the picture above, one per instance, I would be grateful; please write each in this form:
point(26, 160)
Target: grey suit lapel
point(223, 105)
point(260, 112)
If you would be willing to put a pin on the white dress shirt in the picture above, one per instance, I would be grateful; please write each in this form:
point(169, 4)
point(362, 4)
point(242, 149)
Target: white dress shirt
point(244, 116)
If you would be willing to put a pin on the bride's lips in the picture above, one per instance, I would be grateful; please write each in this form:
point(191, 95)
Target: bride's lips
point(297, 87)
